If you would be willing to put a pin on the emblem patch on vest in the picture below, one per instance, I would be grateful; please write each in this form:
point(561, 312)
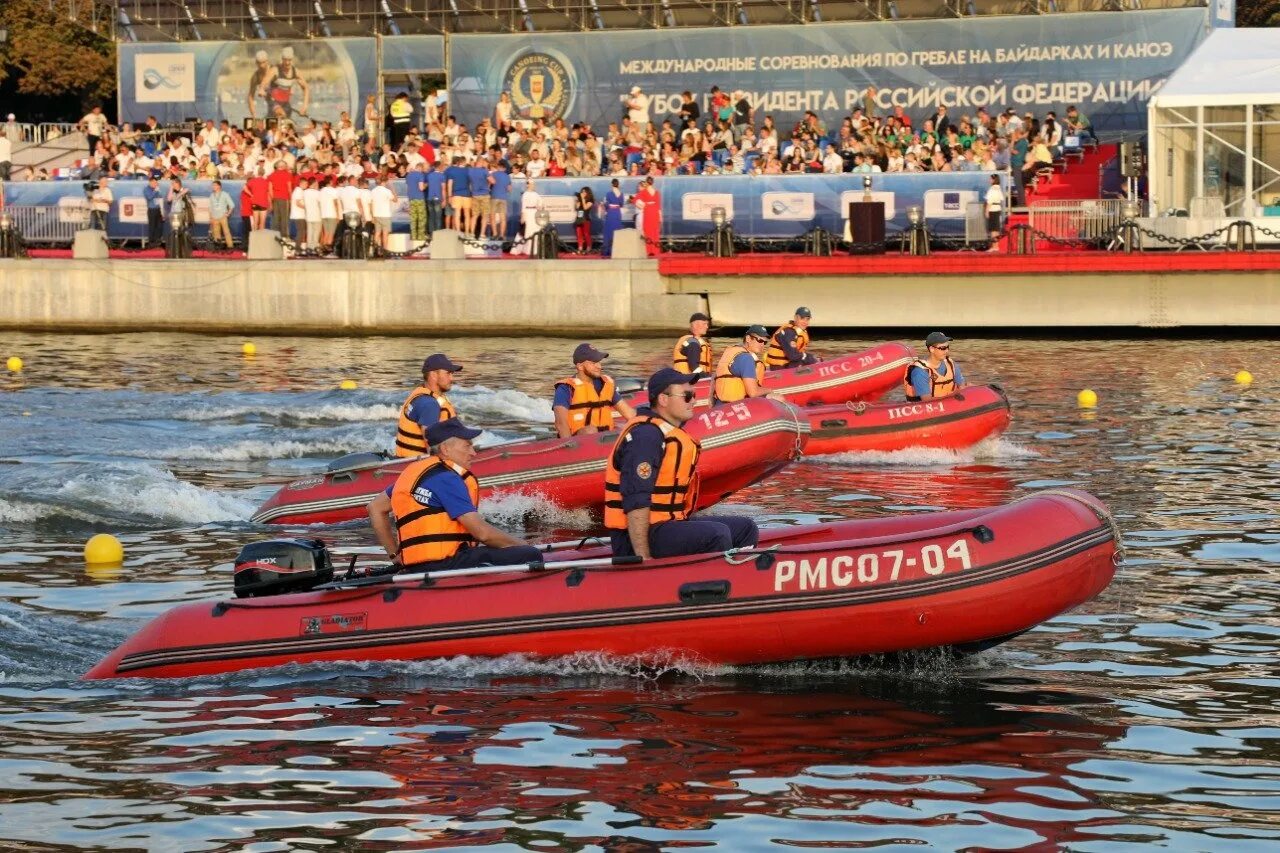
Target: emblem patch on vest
point(644, 470)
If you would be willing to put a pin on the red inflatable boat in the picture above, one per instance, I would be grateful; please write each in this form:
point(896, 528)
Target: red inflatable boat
point(958, 421)
point(865, 375)
point(967, 579)
point(741, 444)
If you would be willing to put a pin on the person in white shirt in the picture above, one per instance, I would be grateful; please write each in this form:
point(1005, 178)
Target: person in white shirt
point(6, 156)
point(349, 198)
point(638, 108)
point(536, 167)
point(311, 206)
point(366, 200)
point(530, 203)
point(994, 208)
point(298, 212)
point(833, 163)
point(94, 125)
point(330, 213)
point(383, 202)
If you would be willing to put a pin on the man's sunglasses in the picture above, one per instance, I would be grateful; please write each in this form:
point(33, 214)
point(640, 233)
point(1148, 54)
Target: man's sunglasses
point(760, 340)
point(943, 347)
point(688, 395)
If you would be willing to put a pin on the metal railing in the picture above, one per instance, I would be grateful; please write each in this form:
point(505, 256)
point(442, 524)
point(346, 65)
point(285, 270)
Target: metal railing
point(1090, 220)
point(49, 224)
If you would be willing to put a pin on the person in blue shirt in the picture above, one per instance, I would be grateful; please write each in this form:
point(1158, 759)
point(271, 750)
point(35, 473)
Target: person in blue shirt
point(935, 376)
point(430, 517)
point(415, 188)
point(500, 190)
point(154, 197)
point(613, 203)
point(458, 192)
point(585, 402)
point(478, 178)
point(436, 180)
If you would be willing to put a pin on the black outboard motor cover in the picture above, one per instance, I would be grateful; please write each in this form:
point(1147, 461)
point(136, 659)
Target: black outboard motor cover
point(278, 566)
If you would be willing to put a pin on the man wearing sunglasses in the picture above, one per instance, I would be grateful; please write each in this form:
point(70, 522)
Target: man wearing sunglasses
point(934, 376)
point(651, 481)
point(740, 373)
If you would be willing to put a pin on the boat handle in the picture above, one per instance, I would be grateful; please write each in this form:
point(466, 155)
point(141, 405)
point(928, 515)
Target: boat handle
point(344, 477)
point(833, 423)
point(704, 592)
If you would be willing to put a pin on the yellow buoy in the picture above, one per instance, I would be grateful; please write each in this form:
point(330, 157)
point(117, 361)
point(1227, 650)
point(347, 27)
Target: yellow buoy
point(103, 549)
point(1244, 377)
point(14, 364)
point(348, 385)
point(1087, 399)
point(249, 348)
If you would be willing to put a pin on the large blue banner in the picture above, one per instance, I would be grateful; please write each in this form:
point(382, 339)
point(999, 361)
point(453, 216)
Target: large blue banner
point(765, 207)
point(1107, 64)
point(236, 80)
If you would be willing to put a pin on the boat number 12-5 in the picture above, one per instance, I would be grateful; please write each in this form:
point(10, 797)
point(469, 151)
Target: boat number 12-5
point(718, 418)
point(872, 567)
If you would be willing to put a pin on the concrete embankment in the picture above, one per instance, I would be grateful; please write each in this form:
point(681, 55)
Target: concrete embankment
point(354, 297)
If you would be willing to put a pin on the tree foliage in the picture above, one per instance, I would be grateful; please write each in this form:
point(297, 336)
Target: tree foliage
point(1258, 13)
point(49, 52)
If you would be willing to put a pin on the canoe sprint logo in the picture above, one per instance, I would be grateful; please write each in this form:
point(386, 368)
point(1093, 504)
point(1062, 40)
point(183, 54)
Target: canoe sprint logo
point(541, 84)
point(153, 79)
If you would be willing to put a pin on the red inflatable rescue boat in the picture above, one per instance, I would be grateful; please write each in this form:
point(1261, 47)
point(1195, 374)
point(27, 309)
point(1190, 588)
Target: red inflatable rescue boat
point(966, 579)
point(741, 444)
point(958, 421)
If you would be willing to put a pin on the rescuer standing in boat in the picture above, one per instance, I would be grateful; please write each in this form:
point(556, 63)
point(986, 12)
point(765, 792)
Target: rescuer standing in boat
point(428, 518)
point(584, 402)
point(692, 353)
point(934, 376)
point(426, 405)
point(788, 344)
point(651, 482)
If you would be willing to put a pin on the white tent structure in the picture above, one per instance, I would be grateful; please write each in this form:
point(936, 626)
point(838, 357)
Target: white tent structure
point(1214, 129)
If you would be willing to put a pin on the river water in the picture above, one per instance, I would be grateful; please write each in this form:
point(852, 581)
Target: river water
point(1146, 718)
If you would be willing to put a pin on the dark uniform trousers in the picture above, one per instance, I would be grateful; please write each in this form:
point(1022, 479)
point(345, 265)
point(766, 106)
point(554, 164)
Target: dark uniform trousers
point(701, 535)
point(482, 555)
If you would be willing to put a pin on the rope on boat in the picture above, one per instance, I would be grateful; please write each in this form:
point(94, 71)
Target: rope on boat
point(1103, 514)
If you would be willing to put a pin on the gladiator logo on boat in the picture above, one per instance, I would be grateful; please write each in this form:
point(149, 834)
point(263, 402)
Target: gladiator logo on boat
point(644, 470)
point(343, 623)
point(541, 83)
point(871, 567)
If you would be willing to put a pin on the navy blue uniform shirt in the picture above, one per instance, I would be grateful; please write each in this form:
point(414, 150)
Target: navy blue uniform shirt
point(638, 459)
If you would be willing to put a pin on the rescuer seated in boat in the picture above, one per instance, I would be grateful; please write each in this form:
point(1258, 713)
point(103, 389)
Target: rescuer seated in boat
point(787, 347)
point(692, 353)
point(934, 376)
point(740, 374)
point(584, 402)
point(426, 405)
point(651, 482)
point(428, 519)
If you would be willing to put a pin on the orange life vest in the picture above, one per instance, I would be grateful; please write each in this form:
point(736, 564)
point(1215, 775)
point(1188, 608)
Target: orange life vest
point(675, 491)
point(774, 356)
point(939, 386)
point(410, 439)
point(427, 533)
point(730, 388)
point(681, 363)
point(588, 408)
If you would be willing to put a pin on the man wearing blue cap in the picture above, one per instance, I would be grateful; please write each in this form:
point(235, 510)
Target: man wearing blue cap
point(934, 376)
point(426, 405)
point(651, 481)
point(428, 518)
point(788, 344)
point(584, 402)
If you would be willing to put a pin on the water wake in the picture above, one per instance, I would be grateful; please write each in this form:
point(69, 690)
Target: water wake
point(993, 449)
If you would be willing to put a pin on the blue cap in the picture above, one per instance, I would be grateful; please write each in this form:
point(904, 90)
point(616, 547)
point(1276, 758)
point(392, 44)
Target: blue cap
point(586, 352)
point(665, 378)
point(440, 361)
point(452, 428)
point(936, 338)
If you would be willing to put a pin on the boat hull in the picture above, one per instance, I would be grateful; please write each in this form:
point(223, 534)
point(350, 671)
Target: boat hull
point(953, 579)
point(741, 444)
point(953, 423)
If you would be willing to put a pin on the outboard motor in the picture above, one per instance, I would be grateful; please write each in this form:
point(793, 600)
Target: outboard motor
point(278, 566)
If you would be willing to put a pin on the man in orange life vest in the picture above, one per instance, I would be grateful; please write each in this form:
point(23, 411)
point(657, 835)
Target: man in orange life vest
point(433, 504)
point(651, 482)
point(935, 376)
point(426, 405)
point(693, 352)
point(584, 402)
point(788, 344)
point(740, 374)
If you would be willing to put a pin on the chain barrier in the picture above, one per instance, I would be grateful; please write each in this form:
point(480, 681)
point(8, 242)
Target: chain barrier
point(1177, 241)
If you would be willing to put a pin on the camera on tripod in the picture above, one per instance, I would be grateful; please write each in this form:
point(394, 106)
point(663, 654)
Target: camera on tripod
point(90, 187)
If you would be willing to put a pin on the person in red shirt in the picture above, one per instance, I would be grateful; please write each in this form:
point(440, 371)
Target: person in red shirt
point(281, 187)
point(246, 213)
point(428, 152)
point(259, 199)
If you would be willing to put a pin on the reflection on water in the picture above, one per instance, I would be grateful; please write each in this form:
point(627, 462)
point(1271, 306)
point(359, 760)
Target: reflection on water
point(1146, 718)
